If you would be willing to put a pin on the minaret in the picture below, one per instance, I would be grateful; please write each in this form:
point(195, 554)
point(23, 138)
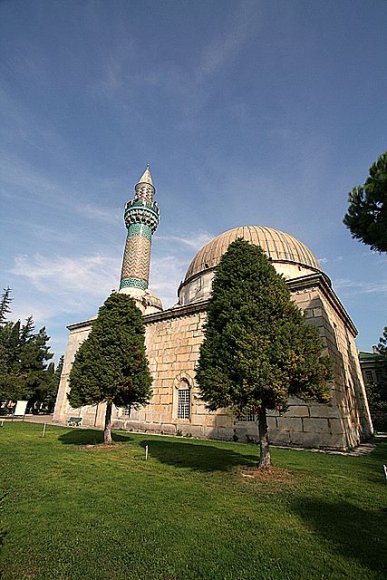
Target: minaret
point(141, 218)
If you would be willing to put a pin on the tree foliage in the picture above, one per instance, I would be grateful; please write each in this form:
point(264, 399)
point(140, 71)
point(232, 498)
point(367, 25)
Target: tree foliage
point(25, 372)
point(377, 391)
point(5, 304)
point(258, 348)
point(111, 365)
point(382, 346)
point(366, 217)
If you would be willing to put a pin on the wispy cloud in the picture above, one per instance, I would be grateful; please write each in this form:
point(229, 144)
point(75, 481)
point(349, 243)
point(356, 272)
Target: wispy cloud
point(120, 78)
point(79, 284)
point(334, 259)
point(195, 241)
point(361, 287)
point(93, 212)
point(94, 274)
point(225, 45)
point(36, 187)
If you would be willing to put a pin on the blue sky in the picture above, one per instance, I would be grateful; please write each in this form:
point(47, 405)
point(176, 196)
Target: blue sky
point(249, 112)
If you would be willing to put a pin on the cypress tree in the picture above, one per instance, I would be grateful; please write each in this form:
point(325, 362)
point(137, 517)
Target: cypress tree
point(111, 365)
point(258, 348)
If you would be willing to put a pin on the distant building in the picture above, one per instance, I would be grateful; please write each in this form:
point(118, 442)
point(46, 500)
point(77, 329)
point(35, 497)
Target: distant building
point(173, 338)
point(373, 367)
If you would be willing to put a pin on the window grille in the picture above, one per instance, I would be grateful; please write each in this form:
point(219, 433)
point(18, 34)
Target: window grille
point(184, 404)
point(248, 417)
point(369, 376)
point(126, 410)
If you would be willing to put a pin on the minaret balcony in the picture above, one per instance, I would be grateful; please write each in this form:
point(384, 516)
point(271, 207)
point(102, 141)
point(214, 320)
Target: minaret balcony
point(141, 214)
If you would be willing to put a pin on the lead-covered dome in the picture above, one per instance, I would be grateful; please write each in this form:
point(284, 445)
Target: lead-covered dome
point(289, 256)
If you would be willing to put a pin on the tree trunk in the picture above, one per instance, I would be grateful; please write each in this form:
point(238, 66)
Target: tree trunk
point(107, 433)
point(264, 458)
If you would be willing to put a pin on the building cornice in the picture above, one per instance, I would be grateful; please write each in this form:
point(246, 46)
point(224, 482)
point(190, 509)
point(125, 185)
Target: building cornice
point(80, 325)
point(176, 312)
point(300, 284)
point(323, 282)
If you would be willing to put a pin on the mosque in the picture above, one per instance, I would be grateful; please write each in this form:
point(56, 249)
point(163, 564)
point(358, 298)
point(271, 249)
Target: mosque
point(173, 339)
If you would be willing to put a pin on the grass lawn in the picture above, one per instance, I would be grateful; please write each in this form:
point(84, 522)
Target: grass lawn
point(69, 512)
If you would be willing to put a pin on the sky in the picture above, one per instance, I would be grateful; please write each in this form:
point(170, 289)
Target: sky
point(263, 112)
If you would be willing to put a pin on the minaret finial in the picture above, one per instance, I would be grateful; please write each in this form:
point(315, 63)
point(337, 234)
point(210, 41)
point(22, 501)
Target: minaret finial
point(141, 219)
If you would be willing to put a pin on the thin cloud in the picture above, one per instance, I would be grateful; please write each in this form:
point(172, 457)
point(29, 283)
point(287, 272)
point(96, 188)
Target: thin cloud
point(225, 46)
point(31, 184)
point(93, 212)
point(195, 241)
point(94, 275)
point(358, 287)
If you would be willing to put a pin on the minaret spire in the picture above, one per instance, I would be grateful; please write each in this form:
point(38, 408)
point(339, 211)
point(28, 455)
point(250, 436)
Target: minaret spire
point(146, 177)
point(141, 218)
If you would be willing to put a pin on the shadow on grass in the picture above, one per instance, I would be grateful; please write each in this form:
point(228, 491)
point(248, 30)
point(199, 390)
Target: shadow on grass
point(198, 457)
point(3, 532)
point(90, 437)
point(3, 535)
point(351, 531)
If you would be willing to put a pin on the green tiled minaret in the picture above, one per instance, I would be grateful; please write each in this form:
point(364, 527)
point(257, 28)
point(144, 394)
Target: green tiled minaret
point(141, 219)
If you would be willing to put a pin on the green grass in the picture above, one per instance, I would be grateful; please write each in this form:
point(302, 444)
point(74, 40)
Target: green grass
point(68, 512)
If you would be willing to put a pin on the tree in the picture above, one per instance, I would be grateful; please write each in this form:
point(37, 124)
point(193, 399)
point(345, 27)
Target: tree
point(5, 304)
point(377, 390)
point(382, 346)
point(24, 355)
point(258, 349)
point(57, 377)
point(111, 365)
point(44, 396)
point(366, 217)
point(35, 369)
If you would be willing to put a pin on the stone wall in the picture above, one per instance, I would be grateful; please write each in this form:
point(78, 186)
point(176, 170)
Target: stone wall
point(173, 339)
point(173, 348)
point(345, 421)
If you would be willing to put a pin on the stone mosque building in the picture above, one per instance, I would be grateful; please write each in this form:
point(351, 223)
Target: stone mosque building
point(173, 338)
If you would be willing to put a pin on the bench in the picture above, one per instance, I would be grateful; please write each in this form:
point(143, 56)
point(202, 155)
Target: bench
point(74, 421)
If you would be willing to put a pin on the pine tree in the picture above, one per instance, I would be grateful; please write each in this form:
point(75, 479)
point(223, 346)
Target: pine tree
point(366, 217)
point(58, 372)
point(111, 365)
point(55, 374)
point(24, 357)
point(258, 349)
point(35, 368)
point(5, 305)
point(11, 381)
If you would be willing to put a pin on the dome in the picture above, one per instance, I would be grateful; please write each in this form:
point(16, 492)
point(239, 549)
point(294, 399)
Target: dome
point(289, 256)
point(277, 245)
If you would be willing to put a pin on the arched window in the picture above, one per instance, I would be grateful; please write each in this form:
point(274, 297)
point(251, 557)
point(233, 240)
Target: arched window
point(183, 400)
